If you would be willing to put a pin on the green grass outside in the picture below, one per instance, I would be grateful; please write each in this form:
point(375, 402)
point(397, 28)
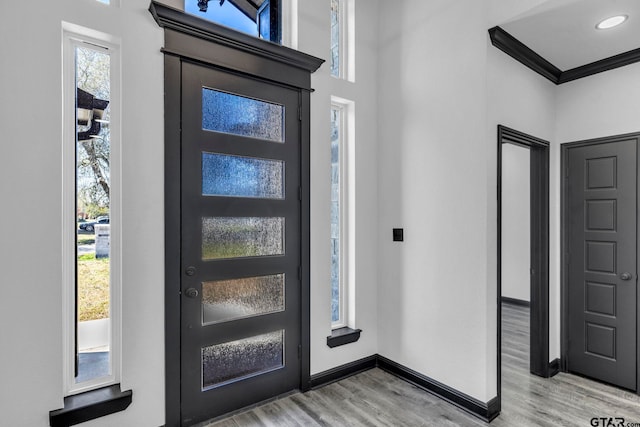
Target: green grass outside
point(93, 288)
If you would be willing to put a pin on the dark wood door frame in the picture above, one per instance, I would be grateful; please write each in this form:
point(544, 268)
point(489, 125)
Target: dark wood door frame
point(188, 38)
point(564, 242)
point(539, 218)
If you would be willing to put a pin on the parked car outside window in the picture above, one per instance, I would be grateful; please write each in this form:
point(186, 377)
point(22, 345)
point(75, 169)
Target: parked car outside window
point(90, 225)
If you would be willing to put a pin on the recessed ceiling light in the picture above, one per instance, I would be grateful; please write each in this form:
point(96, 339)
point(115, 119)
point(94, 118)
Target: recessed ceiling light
point(614, 21)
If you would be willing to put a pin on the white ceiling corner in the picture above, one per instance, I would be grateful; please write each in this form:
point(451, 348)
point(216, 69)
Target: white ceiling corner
point(563, 31)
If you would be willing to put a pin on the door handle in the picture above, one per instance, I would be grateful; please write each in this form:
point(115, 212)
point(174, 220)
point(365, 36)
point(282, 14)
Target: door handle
point(625, 276)
point(191, 292)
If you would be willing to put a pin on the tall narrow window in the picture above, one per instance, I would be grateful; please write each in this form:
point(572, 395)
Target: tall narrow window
point(93, 182)
point(342, 46)
point(341, 314)
point(90, 162)
point(337, 309)
point(342, 214)
point(336, 38)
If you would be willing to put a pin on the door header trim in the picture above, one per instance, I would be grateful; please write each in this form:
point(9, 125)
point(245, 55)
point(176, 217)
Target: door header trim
point(175, 19)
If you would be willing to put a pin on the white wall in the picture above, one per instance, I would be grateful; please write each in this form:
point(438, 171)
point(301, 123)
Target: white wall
point(445, 91)
point(314, 37)
point(30, 171)
point(433, 182)
point(516, 222)
point(601, 105)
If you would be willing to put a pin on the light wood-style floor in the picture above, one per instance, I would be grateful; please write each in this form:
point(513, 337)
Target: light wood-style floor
point(376, 398)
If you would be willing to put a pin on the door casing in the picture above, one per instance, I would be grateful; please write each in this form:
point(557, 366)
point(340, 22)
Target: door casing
point(539, 218)
point(564, 242)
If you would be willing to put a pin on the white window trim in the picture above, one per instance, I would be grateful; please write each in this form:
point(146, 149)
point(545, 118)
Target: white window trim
point(289, 18)
point(346, 153)
point(350, 42)
point(72, 36)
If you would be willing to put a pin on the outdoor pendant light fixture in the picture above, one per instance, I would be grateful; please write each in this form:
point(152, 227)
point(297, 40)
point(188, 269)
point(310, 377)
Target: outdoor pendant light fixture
point(611, 22)
point(204, 4)
point(89, 115)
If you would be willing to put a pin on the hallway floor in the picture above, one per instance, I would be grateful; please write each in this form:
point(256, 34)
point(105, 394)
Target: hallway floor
point(376, 398)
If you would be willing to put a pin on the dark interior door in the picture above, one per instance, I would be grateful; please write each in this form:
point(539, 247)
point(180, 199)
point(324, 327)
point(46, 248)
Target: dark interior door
point(240, 242)
point(602, 275)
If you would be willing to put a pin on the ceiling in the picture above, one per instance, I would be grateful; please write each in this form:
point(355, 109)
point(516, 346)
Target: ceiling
point(563, 31)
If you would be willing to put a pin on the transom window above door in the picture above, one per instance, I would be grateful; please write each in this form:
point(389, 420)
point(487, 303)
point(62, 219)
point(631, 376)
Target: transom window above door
point(258, 18)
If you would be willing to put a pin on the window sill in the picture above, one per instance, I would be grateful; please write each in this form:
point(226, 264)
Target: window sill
point(90, 405)
point(342, 336)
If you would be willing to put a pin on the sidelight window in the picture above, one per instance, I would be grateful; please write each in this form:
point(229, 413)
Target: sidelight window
point(341, 225)
point(91, 213)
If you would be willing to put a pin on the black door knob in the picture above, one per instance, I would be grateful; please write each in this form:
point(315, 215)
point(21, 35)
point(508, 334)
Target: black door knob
point(191, 292)
point(625, 276)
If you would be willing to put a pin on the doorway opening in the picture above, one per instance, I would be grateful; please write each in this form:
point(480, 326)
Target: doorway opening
point(537, 221)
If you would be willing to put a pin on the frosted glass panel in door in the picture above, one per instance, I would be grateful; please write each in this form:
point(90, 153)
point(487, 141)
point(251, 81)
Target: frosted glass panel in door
point(237, 237)
point(224, 300)
point(239, 115)
point(235, 360)
point(237, 176)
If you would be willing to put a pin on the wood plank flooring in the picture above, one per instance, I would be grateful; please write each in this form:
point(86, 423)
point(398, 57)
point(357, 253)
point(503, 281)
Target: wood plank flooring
point(376, 398)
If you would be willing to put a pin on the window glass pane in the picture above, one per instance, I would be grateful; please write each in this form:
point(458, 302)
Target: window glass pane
point(224, 237)
point(335, 214)
point(236, 360)
point(335, 38)
point(258, 18)
point(264, 23)
point(238, 115)
point(93, 150)
point(225, 175)
point(226, 14)
point(224, 300)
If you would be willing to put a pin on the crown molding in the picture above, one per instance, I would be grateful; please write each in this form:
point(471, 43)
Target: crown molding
point(526, 56)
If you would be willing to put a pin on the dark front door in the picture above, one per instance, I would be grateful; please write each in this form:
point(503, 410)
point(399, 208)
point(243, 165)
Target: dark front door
point(602, 270)
point(240, 242)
